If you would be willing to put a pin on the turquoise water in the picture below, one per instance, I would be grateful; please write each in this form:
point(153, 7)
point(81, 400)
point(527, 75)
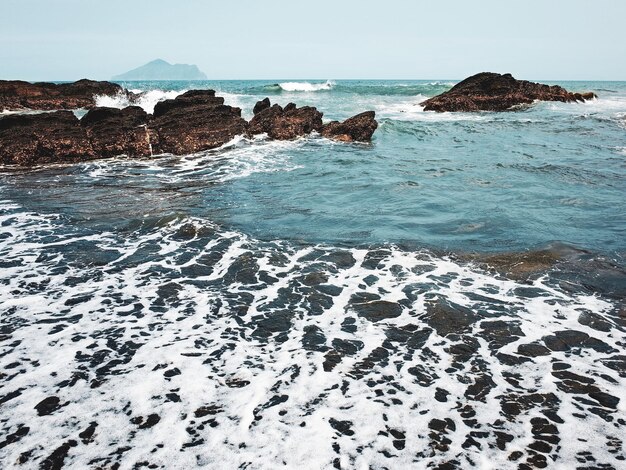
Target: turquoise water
point(313, 303)
point(469, 181)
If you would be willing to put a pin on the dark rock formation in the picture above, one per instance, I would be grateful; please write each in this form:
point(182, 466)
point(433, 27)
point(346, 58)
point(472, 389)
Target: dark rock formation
point(115, 131)
point(27, 139)
point(495, 92)
point(523, 265)
point(359, 128)
point(285, 124)
point(192, 122)
point(261, 105)
point(187, 100)
point(17, 94)
point(195, 121)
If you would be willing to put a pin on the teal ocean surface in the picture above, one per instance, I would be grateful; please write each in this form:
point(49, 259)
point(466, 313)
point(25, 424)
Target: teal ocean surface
point(271, 303)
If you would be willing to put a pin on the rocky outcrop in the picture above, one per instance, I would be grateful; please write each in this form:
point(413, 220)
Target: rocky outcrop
point(261, 105)
point(290, 122)
point(113, 131)
point(17, 94)
point(287, 123)
point(359, 128)
point(27, 139)
point(194, 121)
point(495, 92)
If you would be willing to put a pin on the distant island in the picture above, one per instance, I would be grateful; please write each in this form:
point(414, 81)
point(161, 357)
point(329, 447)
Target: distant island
point(161, 70)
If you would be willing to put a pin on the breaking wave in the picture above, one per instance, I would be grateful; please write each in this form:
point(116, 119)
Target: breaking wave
point(146, 100)
point(306, 86)
point(174, 342)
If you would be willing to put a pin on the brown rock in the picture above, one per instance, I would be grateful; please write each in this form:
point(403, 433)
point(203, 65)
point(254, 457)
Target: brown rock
point(195, 121)
point(522, 265)
point(359, 128)
point(495, 92)
point(188, 99)
point(261, 105)
point(115, 131)
point(27, 139)
point(17, 94)
point(286, 124)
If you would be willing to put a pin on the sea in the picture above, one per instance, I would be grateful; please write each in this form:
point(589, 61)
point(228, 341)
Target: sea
point(448, 296)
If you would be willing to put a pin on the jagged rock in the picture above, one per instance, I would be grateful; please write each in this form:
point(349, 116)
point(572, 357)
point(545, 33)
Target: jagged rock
point(195, 121)
point(495, 92)
point(187, 99)
point(17, 94)
point(286, 124)
point(192, 122)
point(261, 105)
point(26, 139)
point(115, 131)
point(359, 128)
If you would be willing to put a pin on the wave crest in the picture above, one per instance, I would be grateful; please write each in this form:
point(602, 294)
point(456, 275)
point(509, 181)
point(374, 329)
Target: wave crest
point(306, 86)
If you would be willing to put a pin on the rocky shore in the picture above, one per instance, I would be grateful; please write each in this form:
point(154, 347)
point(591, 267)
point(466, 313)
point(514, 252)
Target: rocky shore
point(19, 95)
point(192, 122)
point(495, 92)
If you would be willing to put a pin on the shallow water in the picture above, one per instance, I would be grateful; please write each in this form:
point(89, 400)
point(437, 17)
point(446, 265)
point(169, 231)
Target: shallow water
point(318, 304)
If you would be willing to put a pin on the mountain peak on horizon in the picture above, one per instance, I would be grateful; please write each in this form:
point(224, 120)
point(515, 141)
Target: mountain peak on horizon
point(159, 69)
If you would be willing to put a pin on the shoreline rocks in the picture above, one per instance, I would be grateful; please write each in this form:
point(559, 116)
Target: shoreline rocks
point(113, 131)
point(359, 128)
point(192, 122)
point(18, 94)
point(488, 91)
point(287, 123)
point(28, 139)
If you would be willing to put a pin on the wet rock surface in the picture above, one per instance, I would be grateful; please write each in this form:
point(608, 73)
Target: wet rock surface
point(359, 128)
point(113, 131)
point(355, 357)
point(27, 139)
point(17, 94)
point(287, 123)
point(194, 121)
point(495, 92)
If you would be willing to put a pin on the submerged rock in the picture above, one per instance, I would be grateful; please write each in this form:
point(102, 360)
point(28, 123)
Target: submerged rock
point(359, 128)
point(522, 265)
point(18, 94)
point(27, 139)
point(194, 121)
point(495, 92)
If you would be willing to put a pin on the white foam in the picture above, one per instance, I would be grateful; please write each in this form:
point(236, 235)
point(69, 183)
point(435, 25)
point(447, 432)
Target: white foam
point(146, 100)
point(306, 86)
point(206, 330)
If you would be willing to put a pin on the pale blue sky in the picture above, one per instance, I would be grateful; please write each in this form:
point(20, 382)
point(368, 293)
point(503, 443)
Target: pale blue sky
point(321, 39)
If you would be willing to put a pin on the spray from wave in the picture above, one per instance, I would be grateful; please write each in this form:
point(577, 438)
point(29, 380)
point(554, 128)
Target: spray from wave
point(146, 100)
point(306, 86)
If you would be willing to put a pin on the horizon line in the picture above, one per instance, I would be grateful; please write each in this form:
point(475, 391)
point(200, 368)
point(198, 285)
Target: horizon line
point(306, 79)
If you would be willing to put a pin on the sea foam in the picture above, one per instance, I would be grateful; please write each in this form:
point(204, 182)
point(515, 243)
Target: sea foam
point(182, 344)
point(146, 100)
point(306, 86)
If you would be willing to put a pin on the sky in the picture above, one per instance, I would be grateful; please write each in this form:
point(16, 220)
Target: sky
point(318, 39)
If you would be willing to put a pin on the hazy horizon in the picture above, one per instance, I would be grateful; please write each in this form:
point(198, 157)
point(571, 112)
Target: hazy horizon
point(575, 40)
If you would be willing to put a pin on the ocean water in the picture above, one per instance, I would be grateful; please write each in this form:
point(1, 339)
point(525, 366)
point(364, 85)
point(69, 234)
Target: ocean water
point(315, 304)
